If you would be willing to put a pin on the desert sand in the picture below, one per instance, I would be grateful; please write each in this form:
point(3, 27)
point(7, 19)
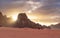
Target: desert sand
point(7, 32)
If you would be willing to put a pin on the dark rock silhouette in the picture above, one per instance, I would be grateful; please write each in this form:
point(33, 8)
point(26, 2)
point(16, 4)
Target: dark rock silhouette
point(1, 19)
point(46, 27)
point(56, 26)
point(23, 21)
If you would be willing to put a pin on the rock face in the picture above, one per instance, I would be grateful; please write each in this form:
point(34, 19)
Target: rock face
point(23, 21)
point(57, 26)
point(2, 19)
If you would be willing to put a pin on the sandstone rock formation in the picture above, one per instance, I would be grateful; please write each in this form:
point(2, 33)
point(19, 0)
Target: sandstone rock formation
point(23, 21)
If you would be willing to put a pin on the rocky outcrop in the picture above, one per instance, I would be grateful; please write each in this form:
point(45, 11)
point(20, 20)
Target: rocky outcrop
point(3, 20)
point(23, 21)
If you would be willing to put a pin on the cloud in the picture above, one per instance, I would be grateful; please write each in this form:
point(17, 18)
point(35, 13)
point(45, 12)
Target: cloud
point(34, 5)
point(24, 5)
point(49, 9)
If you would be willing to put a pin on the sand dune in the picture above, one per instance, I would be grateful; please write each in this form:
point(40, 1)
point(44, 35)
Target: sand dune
point(28, 33)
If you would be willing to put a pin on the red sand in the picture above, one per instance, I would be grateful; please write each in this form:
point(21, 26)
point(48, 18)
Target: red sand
point(28, 33)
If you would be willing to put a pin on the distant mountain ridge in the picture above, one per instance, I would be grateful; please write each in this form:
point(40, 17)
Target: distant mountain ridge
point(22, 22)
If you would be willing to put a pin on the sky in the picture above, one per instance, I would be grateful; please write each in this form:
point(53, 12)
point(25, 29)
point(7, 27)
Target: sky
point(40, 11)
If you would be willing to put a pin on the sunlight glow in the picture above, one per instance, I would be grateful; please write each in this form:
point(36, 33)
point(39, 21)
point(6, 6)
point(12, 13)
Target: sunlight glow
point(14, 17)
point(14, 14)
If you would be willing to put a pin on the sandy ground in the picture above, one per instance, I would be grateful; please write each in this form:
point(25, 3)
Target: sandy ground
point(28, 33)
